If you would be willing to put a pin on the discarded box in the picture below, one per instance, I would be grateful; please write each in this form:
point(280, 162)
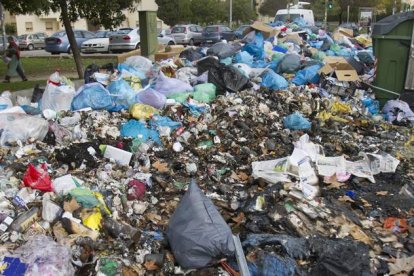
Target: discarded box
point(120, 156)
point(342, 69)
point(169, 52)
point(266, 30)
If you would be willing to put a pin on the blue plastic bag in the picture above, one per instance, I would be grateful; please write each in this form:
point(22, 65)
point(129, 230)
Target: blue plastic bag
point(162, 121)
point(151, 97)
point(256, 48)
point(372, 105)
point(280, 49)
point(131, 70)
point(296, 121)
point(93, 95)
point(269, 264)
point(273, 81)
point(226, 61)
point(136, 129)
point(308, 75)
point(244, 57)
point(122, 94)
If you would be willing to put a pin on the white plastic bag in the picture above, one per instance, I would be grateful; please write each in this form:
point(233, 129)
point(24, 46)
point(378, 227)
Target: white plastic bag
point(21, 127)
point(5, 101)
point(141, 63)
point(57, 98)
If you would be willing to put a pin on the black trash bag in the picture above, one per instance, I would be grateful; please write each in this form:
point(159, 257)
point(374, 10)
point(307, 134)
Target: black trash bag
point(326, 45)
point(366, 58)
point(207, 64)
point(109, 67)
point(197, 233)
point(227, 78)
point(191, 54)
point(37, 94)
point(89, 71)
point(290, 63)
point(358, 66)
point(224, 50)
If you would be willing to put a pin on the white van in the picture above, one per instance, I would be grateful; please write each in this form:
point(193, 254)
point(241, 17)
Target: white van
point(295, 12)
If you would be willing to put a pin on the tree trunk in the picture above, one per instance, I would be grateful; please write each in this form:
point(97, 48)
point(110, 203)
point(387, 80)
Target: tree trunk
point(71, 36)
point(340, 17)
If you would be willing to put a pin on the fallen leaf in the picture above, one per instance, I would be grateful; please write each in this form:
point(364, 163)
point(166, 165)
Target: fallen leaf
point(335, 185)
point(360, 235)
point(243, 176)
point(345, 199)
point(161, 167)
point(151, 265)
point(382, 193)
point(401, 265)
point(366, 203)
point(154, 218)
point(239, 219)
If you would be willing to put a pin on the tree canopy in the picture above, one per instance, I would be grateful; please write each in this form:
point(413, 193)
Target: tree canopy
point(107, 13)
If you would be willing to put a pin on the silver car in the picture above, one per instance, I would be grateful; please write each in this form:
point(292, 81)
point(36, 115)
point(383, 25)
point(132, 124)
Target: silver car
point(186, 34)
point(125, 39)
point(165, 39)
point(32, 41)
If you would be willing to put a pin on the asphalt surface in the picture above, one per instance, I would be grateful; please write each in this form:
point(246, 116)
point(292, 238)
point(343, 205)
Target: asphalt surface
point(43, 53)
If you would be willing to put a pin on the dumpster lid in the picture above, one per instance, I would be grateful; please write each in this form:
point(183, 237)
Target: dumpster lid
point(386, 25)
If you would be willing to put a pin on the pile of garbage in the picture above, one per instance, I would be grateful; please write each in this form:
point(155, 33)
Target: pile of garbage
point(258, 157)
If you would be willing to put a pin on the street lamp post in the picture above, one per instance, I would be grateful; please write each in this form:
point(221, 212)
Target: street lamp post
point(326, 15)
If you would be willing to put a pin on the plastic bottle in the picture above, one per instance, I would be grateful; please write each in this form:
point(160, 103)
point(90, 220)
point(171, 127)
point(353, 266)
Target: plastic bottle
point(23, 221)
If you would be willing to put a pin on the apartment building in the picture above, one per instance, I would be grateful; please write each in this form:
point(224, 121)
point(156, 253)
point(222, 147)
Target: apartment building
point(51, 23)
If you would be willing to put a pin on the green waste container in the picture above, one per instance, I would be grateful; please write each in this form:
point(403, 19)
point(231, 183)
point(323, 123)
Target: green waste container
point(392, 38)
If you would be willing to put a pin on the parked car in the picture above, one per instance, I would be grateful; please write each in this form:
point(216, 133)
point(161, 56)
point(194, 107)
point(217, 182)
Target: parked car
point(125, 39)
point(165, 39)
point(59, 43)
point(32, 41)
point(186, 34)
point(216, 33)
point(99, 44)
point(7, 44)
point(240, 30)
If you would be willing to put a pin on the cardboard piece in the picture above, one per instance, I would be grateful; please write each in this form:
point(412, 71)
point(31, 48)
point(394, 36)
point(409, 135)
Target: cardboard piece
point(120, 156)
point(293, 38)
point(266, 30)
point(340, 32)
point(342, 69)
point(169, 52)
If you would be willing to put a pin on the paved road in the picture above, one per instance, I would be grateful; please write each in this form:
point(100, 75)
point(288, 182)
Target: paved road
point(43, 53)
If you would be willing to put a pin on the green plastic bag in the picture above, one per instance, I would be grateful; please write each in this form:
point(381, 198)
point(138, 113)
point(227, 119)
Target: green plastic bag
point(319, 56)
point(204, 93)
point(179, 97)
point(335, 48)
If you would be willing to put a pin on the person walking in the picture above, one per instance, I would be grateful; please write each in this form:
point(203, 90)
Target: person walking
point(14, 66)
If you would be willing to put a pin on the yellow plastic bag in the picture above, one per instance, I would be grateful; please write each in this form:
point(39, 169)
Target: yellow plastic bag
point(339, 107)
point(324, 116)
point(142, 111)
point(94, 220)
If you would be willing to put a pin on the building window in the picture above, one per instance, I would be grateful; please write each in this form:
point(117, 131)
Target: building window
point(29, 26)
point(49, 26)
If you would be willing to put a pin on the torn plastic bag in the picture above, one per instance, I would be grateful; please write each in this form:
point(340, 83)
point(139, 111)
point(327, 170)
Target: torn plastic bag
point(308, 75)
point(44, 256)
point(326, 45)
point(151, 97)
point(162, 121)
point(191, 54)
point(358, 66)
point(136, 129)
point(168, 86)
point(187, 74)
point(21, 127)
point(180, 97)
point(296, 121)
point(140, 63)
point(38, 178)
point(290, 63)
point(397, 110)
point(197, 233)
point(122, 94)
point(244, 58)
point(5, 101)
point(93, 95)
point(127, 70)
point(204, 93)
point(224, 50)
point(273, 81)
point(366, 57)
point(57, 98)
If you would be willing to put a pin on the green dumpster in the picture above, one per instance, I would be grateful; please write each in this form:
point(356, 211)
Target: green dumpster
point(392, 38)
